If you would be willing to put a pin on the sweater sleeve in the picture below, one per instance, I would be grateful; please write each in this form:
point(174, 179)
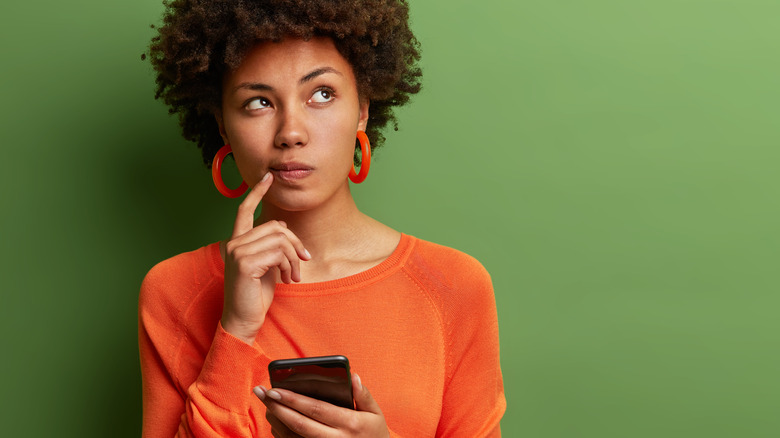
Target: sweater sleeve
point(473, 400)
point(217, 403)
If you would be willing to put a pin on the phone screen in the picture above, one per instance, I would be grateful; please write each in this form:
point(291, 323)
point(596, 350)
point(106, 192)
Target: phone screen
point(325, 378)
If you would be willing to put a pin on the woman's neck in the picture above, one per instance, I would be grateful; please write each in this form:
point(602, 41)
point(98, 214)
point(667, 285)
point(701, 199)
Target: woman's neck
point(341, 239)
point(324, 228)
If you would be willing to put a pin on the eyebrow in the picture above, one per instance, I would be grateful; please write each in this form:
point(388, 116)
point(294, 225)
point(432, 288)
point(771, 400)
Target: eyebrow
point(318, 72)
point(257, 86)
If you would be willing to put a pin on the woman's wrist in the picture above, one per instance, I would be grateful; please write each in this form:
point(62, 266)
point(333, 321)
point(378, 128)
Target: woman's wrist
point(241, 330)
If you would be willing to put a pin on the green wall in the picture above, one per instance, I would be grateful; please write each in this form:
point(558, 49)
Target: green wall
point(612, 163)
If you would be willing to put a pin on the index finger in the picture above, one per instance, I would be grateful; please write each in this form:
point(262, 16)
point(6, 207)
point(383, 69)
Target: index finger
point(245, 218)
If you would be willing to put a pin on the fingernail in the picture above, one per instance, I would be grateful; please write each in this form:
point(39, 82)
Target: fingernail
point(265, 177)
point(306, 251)
point(274, 395)
point(259, 392)
point(359, 383)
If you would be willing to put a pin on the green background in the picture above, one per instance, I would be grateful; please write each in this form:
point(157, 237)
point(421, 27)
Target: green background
point(612, 163)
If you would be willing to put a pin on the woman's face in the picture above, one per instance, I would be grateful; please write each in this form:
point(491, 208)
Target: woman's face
point(292, 108)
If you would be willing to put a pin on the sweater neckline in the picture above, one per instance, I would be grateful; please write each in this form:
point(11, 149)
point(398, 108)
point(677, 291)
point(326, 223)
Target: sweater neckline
point(387, 267)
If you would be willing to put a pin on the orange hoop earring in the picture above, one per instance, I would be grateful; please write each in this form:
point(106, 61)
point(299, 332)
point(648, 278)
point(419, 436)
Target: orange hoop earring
point(365, 159)
point(216, 174)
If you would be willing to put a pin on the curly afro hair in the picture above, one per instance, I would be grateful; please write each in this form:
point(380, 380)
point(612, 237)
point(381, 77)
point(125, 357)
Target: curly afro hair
point(201, 40)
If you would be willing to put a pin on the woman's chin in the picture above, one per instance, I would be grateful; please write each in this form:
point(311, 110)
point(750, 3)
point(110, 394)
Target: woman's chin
point(292, 202)
point(306, 197)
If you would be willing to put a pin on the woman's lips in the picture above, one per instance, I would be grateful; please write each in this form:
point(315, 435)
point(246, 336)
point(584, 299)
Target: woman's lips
point(291, 171)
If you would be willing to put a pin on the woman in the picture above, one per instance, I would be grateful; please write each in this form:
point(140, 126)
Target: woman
point(288, 87)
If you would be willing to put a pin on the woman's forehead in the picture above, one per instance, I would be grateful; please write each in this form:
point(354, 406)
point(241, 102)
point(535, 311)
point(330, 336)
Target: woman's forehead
point(290, 60)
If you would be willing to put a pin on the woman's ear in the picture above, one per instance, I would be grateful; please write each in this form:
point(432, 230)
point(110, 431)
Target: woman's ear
point(362, 116)
point(221, 124)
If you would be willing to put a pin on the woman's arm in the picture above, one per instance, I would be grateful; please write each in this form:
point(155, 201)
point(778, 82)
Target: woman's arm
point(474, 401)
point(218, 402)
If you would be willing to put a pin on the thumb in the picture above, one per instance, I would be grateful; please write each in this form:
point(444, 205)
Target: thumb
point(363, 399)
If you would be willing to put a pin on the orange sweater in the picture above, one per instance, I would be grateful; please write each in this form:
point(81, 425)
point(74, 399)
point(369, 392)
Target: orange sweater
point(420, 329)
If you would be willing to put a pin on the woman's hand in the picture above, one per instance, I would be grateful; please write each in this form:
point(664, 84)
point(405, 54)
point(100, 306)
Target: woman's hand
point(295, 415)
point(250, 256)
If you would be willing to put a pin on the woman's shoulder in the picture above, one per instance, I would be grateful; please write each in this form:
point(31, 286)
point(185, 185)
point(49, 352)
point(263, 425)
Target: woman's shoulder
point(178, 279)
point(456, 283)
point(445, 258)
point(443, 267)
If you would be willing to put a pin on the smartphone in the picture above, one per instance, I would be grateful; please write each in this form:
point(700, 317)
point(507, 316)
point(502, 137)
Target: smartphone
point(325, 378)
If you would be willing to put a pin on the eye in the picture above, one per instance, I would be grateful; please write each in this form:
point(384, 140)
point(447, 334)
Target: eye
point(257, 103)
point(322, 96)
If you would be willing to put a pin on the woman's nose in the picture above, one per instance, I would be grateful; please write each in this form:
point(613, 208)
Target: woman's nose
point(292, 129)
